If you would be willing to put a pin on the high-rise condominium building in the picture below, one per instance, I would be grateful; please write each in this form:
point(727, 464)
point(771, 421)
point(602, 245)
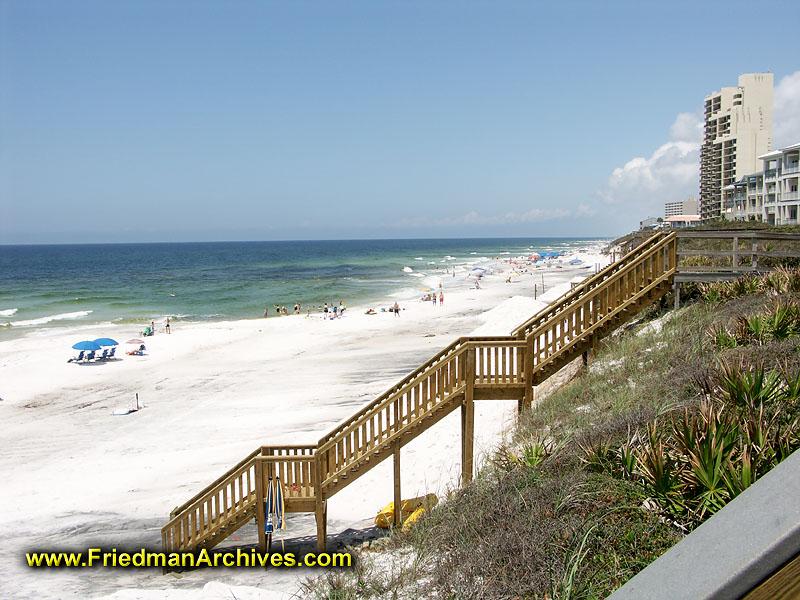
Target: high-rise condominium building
point(685, 207)
point(738, 130)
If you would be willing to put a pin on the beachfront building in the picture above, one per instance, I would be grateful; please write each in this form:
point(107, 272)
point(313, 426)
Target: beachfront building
point(738, 129)
point(648, 223)
point(690, 206)
point(770, 195)
point(681, 221)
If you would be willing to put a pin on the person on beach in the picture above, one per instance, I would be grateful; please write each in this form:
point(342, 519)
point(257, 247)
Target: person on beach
point(433, 298)
point(166, 327)
point(325, 310)
point(152, 327)
point(441, 298)
point(265, 313)
point(396, 309)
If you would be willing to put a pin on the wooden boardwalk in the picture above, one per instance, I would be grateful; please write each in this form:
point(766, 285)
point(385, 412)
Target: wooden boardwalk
point(468, 370)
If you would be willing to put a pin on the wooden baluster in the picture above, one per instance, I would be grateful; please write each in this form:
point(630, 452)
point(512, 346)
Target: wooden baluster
point(468, 421)
point(261, 507)
point(398, 513)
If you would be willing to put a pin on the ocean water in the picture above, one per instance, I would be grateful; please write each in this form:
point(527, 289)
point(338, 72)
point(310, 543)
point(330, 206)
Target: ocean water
point(42, 287)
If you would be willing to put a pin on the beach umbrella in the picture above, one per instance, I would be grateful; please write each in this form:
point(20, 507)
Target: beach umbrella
point(514, 274)
point(86, 345)
point(106, 342)
point(280, 508)
point(268, 524)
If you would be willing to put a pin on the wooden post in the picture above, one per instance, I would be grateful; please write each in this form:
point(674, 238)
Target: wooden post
point(261, 507)
point(585, 357)
point(320, 507)
point(676, 287)
point(468, 420)
point(398, 513)
point(754, 262)
point(735, 253)
point(527, 369)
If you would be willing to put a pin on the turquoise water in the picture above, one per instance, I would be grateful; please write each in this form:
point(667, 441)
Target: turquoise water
point(51, 286)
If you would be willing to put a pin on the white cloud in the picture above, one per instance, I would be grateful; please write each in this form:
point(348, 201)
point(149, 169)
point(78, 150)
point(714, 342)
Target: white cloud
point(688, 127)
point(670, 174)
point(786, 118)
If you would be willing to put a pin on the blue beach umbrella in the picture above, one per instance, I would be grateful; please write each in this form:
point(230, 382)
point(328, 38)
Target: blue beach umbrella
point(106, 342)
point(86, 345)
point(268, 525)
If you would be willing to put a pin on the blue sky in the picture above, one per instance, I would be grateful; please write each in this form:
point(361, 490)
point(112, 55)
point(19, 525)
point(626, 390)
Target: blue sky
point(179, 121)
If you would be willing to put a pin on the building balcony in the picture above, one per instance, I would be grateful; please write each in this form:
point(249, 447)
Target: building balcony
point(790, 196)
point(791, 169)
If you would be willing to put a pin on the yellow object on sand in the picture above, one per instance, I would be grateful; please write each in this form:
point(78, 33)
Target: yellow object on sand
point(407, 523)
point(385, 518)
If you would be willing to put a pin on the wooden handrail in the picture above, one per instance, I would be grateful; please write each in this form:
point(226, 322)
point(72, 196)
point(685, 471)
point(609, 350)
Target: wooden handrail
point(624, 270)
point(261, 450)
point(435, 359)
point(597, 279)
point(383, 401)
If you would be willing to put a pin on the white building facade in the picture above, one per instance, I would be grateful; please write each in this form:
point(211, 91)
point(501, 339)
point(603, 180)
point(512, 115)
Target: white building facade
point(685, 207)
point(770, 195)
point(738, 129)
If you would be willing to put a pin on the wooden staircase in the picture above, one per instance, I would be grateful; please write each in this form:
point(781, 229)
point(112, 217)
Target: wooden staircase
point(468, 370)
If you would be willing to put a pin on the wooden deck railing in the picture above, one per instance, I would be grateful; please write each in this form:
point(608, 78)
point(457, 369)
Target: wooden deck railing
point(736, 259)
point(233, 496)
point(600, 305)
point(389, 417)
point(597, 280)
point(471, 368)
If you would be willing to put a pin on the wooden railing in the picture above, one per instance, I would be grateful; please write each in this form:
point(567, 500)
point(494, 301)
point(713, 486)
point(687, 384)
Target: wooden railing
point(597, 280)
point(388, 418)
point(498, 362)
point(233, 496)
point(470, 368)
point(735, 260)
point(601, 304)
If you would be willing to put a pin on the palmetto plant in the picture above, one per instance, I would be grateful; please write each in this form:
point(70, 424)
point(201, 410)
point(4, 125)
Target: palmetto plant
point(694, 462)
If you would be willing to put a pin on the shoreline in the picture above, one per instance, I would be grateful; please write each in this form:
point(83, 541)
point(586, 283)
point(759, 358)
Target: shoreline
point(213, 392)
point(393, 275)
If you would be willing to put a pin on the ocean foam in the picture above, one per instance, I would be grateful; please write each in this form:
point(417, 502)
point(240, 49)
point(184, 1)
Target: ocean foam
point(408, 269)
point(8, 312)
point(43, 320)
point(419, 258)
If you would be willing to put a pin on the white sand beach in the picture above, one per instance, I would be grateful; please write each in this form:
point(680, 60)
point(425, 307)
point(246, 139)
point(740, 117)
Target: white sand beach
point(76, 476)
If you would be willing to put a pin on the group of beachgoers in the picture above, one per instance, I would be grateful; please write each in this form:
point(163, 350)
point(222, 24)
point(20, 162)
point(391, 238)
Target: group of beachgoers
point(151, 329)
point(433, 297)
point(332, 311)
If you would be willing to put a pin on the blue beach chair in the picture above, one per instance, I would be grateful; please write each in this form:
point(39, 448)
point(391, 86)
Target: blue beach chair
point(90, 355)
point(78, 358)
